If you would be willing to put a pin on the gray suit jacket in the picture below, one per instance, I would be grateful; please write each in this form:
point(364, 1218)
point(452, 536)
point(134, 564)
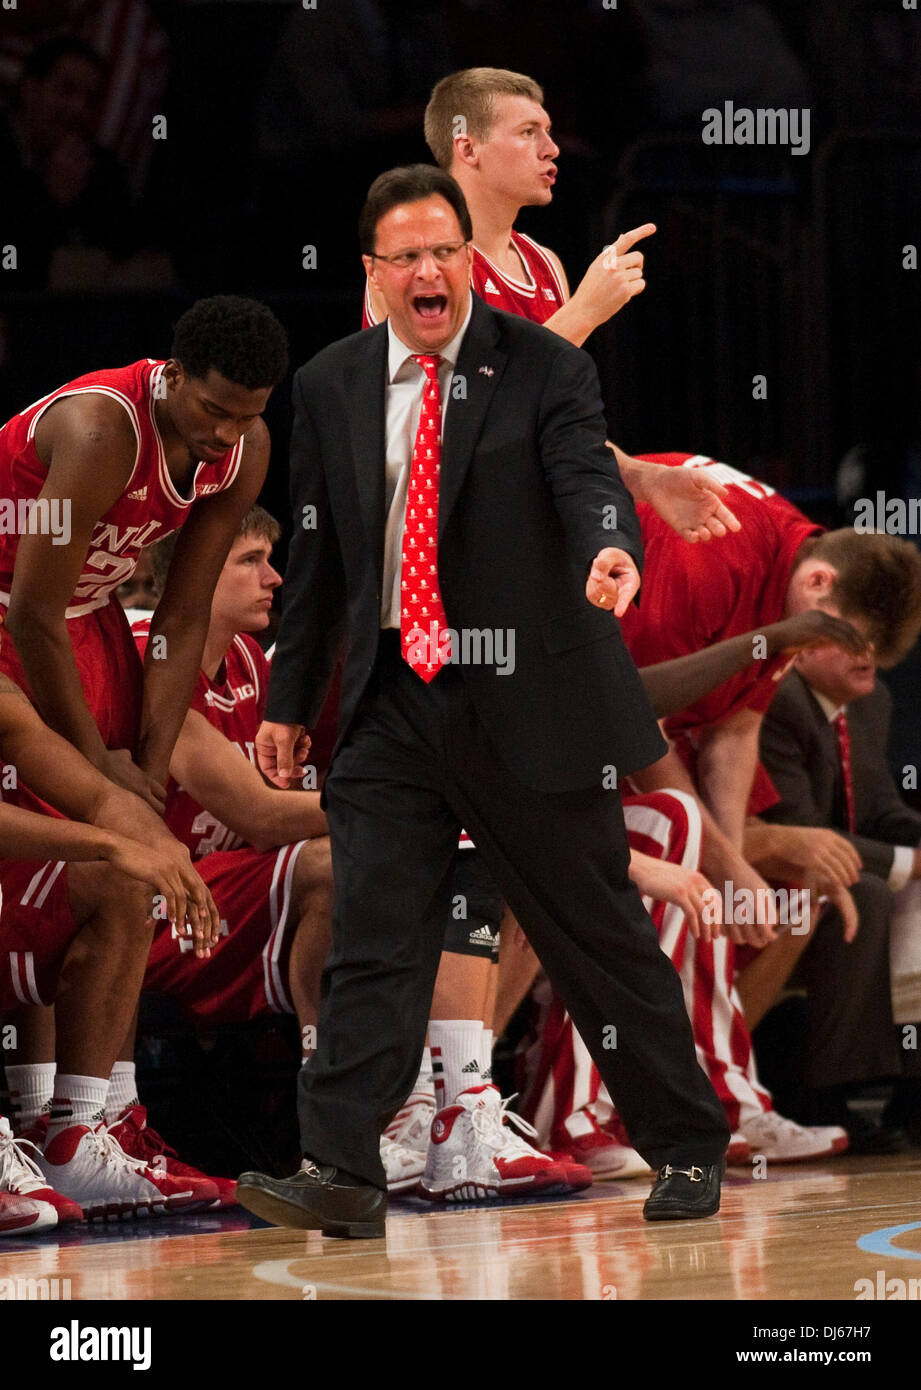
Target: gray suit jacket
point(799, 748)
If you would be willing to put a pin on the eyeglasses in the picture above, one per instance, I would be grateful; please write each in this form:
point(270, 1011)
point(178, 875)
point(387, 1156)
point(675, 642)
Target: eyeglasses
point(403, 260)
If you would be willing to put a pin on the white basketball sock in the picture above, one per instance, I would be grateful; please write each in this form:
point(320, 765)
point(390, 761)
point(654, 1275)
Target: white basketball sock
point(30, 1085)
point(123, 1091)
point(486, 1055)
point(77, 1100)
point(455, 1046)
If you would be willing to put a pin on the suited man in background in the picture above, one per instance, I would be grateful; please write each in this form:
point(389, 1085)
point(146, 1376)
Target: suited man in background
point(516, 525)
point(824, 742)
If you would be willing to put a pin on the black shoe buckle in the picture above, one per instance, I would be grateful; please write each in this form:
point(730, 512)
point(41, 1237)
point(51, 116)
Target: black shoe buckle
point(694, 1174)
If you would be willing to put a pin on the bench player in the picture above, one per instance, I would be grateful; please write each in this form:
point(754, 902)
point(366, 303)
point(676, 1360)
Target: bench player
point(785, 565)
point(126, 456)
point(264, 853)
point(76, 930)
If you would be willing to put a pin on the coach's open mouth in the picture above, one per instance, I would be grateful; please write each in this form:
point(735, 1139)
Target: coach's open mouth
point(430, 306)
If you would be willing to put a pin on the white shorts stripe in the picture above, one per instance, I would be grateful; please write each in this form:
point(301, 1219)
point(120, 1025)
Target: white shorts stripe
point(279, 905)
point(49, 883)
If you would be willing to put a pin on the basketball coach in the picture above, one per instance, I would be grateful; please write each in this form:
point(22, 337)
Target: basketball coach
point(461, 526)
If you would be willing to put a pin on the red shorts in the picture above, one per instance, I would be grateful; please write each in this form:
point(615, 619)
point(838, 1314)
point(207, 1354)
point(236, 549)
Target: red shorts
point(110, 672)
point(246, 975)
point(37, 929)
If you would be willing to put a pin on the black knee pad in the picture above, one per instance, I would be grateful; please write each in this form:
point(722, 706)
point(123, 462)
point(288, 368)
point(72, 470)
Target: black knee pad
point(477, 906)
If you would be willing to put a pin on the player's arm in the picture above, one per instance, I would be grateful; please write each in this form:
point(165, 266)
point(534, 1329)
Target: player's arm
point(727, 755)
point(720, 859)
point(614, 277)
point(88, 446)
point(686, 888)
point(115, 825)
point(229, 787)
point(183, 614)
point(674, 685)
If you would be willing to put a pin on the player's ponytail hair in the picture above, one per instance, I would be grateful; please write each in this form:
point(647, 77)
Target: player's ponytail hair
point(471, 94)
point(878, 580)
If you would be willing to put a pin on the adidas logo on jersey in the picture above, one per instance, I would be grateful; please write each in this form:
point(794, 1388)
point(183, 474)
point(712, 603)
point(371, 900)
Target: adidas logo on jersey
point(548, 294)
point(489, 287)
point(481, 937)
point(139, 495)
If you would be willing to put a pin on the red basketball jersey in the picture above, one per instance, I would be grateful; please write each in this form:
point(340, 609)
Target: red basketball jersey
point(535, 298)
point(150, 507)
point(233, 702)
point(695, 595)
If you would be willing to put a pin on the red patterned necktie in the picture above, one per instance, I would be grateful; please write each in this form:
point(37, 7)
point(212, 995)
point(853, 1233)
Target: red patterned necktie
point(844, 755)
point(422, 614)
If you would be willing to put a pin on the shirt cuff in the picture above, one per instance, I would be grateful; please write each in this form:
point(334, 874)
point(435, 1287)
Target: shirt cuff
point(903, 861)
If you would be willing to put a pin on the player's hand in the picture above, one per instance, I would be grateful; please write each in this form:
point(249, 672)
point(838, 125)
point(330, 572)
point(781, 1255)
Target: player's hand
point(752, 913)
point(691, 500)
point(814, 852)
point(814, 628)
point(281, 750)
point(121, 769)
point(614, 277)
point(613, 581)
point(690, 891)
point(180, 895)
point(847, 909)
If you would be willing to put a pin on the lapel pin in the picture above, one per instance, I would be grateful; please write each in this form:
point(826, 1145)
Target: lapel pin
point(485, 371)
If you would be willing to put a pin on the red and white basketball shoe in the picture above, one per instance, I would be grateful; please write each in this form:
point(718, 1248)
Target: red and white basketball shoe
point(405, 1142)
point(603, 1148)
point(780, 1140)
point(27, 1204)
point(91, 1167)
point(139, 1140)
point(475, 1152)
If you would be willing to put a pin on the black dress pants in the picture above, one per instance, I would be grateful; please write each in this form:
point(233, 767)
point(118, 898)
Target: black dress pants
point(416, 766)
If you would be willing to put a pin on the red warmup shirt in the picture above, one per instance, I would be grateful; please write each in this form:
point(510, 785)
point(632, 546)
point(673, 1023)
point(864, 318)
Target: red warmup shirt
point(695, 595)
point(233, 703)
point(150, 506)
point(535, 298)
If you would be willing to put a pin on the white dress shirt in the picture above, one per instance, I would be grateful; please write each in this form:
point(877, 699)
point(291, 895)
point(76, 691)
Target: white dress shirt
point(402, 403)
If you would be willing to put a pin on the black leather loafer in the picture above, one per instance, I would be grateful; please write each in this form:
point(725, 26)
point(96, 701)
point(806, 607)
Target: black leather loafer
point(313, 1201)
point(680, 1194)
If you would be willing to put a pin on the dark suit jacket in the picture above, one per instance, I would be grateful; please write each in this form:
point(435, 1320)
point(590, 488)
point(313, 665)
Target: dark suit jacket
point(527, 487)
point(799, 748)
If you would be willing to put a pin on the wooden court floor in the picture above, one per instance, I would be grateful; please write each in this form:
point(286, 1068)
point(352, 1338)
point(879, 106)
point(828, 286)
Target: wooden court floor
point(803, 1232)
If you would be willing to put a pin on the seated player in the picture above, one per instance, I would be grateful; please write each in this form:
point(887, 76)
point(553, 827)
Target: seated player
point(823, 743)
point(95, 471)
point(74, 931)
point(780, 564)
point(263, 853)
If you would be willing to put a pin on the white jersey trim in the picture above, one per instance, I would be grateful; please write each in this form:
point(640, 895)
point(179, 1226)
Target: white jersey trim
point(123, 400)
